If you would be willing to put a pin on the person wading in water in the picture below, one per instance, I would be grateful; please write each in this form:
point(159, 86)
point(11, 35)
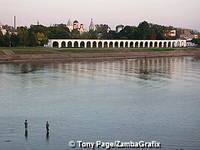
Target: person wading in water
point(47, 127)
point(26, 128)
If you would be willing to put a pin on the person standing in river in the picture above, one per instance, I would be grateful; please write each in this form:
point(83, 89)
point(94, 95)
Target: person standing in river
point(26, 128)
point(26, 125)
point(47, 127)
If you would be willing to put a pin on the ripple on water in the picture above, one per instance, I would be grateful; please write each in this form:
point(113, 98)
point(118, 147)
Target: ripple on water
point(154, 99)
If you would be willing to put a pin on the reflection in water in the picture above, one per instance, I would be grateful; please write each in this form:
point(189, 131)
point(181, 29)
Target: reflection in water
point(197, 57)
point(27, 68)
point(146, 69)
point(26, 134)
point(47, 137)
point(137, 70)
point(143, 99)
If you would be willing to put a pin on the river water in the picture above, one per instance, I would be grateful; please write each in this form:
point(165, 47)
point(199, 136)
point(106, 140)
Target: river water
point(127, 100)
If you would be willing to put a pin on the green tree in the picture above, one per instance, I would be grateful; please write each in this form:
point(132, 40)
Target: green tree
point(144, 31)
point(41, 39)
point(2, 42)
point(38, 29)
point(75, 34)
point(37, 35)
point(7, 41)
point(102, 31)
point(23, 36)
point(196, 41)
point(14, 39)
point(153, 34)
point(58, 32)
point(93, 34)
point(157, 32)
point(112, 35)
point(32, 41)
point(85, 35)
point(128, 32)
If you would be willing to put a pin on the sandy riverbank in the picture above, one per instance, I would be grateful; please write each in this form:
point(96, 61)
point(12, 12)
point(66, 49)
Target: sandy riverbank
point(70, 56)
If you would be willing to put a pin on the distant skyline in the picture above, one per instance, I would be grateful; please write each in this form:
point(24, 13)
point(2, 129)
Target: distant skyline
point(178, 13)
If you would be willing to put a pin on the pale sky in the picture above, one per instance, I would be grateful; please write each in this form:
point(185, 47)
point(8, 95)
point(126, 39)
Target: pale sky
point(178, 13)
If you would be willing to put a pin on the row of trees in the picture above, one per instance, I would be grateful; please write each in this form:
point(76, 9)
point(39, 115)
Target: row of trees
point(196, 41)
point(33, 36)
point(144, 31)
point(38, 35)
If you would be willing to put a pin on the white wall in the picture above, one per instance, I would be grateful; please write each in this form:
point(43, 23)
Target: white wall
point(116, 43)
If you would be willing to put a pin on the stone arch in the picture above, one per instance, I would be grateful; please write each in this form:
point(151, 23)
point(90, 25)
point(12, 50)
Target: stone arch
point(88, 44)
point(116, 44)
point(55, 44)
point(69, 44)
point(151, 44)
point(146, 44)
point(63, 44)
point(131, 44)
point(105, 44)
point(121, 44)
point(126, 44)
point(174, 44)
point(94, 44)
point(76, 44)
point(169, 44)
point(160, 44)
point(178, 44)
point(182, 44)
point(100, 44)
point(111, 44)
point(82, 44)
point(155, 44)
point(165, 44)
point(137, 44)
point(141, 44)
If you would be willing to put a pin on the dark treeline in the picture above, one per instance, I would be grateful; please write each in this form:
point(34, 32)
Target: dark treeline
point(38, 35)
point(196, 41)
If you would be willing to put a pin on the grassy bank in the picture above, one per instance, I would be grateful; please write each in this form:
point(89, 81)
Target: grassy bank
point(29, 50)
point(41, 50)
point(110, 50)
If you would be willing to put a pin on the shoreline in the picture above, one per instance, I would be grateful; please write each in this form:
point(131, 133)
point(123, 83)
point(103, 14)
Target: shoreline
point(85, 56)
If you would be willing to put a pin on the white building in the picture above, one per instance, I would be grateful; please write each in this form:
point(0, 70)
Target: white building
point(70, 25)
point(119, 28)
point(76, 25)
point(3, 31)
point(97, 43)
point(190, 44)
point(92, 26)
point(172, 33)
